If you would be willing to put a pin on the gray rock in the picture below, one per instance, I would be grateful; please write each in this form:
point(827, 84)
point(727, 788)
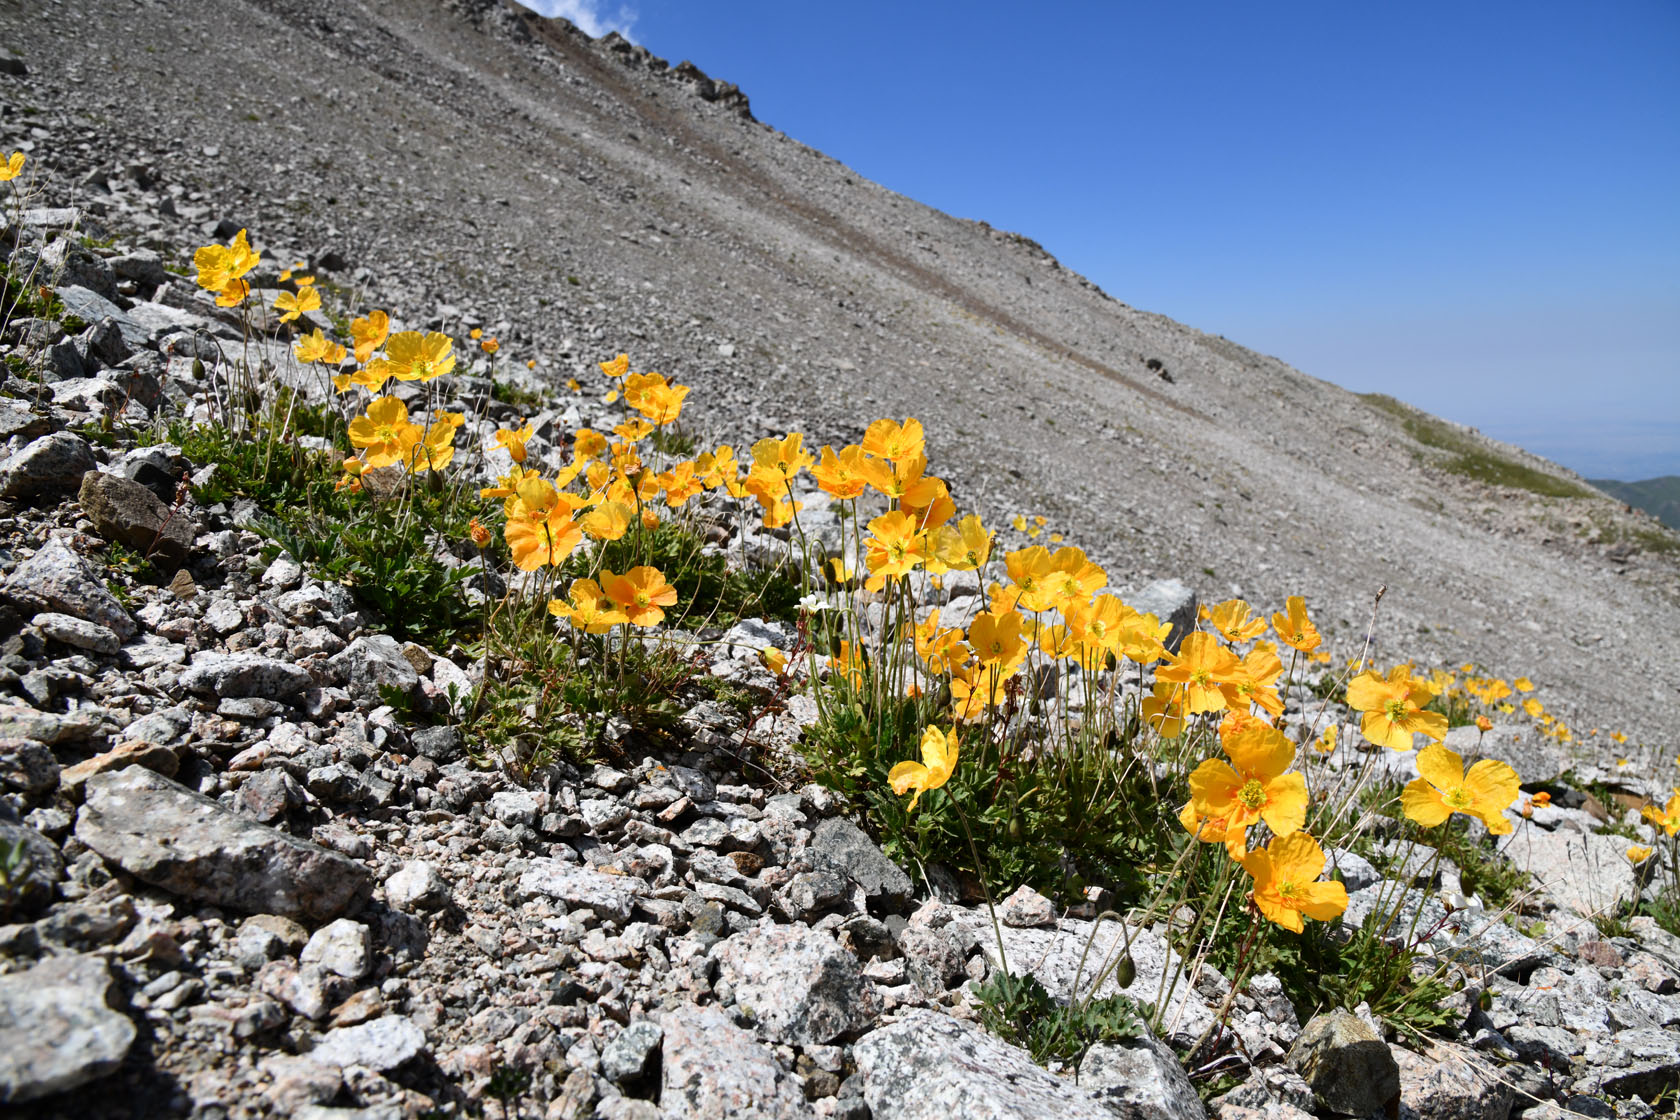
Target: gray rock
point(854, 854)
point(48, 467)
point(56, 1031)
point(91, 307)
point(928, 1066)
point(714, 1070)
point(371, 663)
point(123, 510)
point(416, 885)
point(183, 842)
point(40, 868)
point(17, 418)
point(440, 744)
point(28, 766)
point(1140, 1079)
point(82, 726)
point(78, 633)
point(244, 674)
point(1169, 600)
point(609, 895)
point(1347, 1064)
point(143, 266)
point(1026, 908)
point(1452, 1083)
point(268, 795)
point(630, 1054)
point(56, 579)
point(343, 947)
point(932, 961)
point(380, 1045)
point(797, 984)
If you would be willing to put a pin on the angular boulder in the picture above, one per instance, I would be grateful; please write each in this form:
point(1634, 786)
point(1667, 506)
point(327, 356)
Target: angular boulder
point(797, 984)
point(1348, 1066)
point(714, 1070)
point(165, 834)
point(929, 1066)
point(56, 1030)
point(57, 579)
point(126, 512)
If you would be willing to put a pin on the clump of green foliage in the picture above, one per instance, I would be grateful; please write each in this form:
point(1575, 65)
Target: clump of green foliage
point(386, 551)
point(1467, 456)
point(1020, 1010)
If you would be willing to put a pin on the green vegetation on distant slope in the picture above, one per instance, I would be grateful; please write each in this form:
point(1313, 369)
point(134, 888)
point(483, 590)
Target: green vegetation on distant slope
point(1659, 497)
point(1470, 457)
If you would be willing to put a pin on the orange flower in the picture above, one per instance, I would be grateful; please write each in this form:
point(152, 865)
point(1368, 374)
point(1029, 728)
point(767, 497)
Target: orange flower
point(1286, 886)
point(1256, 680)
point(1393, 708)
point(894, 442)
point(1485, 792)
point(589, 609)
point(370, 334)
point(1231, 620)
point(1227, 798)
point(1202, 665)
point(939, 762)
point(641, 593)
point(540, 530)
point(894, 547)
point(1294, 628)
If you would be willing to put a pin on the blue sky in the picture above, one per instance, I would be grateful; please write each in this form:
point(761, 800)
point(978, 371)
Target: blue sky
point(1473, 207)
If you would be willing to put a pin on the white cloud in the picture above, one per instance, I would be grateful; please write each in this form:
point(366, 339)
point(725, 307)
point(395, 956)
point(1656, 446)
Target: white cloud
point(591, 16)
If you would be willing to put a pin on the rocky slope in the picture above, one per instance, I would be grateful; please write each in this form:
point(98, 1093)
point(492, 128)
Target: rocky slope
point(471, 162)
point(250, 885)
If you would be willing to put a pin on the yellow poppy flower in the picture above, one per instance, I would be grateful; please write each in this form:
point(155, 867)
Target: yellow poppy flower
point(369, 334)
point(1227, 798)
point(894, 548)
point(381, 433)
point(1668, 817)
point(1294, 628)
point(412, 356)
point(939, 762)
point(513, 440)
point(1202, 665)
point(12, 168)
point(1286, 886)
point(317, 347)
point(589, 609)
point(1393, 708)
point(1232, 621)
point(894, 442)
point(1485, 792)
point(641, 593)
point(218, 265)
point(291, 305)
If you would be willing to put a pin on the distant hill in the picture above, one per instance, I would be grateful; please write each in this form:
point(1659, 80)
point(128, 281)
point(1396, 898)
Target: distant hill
point(1659, 497)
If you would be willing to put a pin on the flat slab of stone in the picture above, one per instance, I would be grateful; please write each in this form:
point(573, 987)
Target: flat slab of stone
point(165, 834)
point(714, 1070)
point(929, 1066)
point(608, 895)
point(244, 674)
point(56, 1030)
point(380, 1044)
point(797, 984)
point(57, 579)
